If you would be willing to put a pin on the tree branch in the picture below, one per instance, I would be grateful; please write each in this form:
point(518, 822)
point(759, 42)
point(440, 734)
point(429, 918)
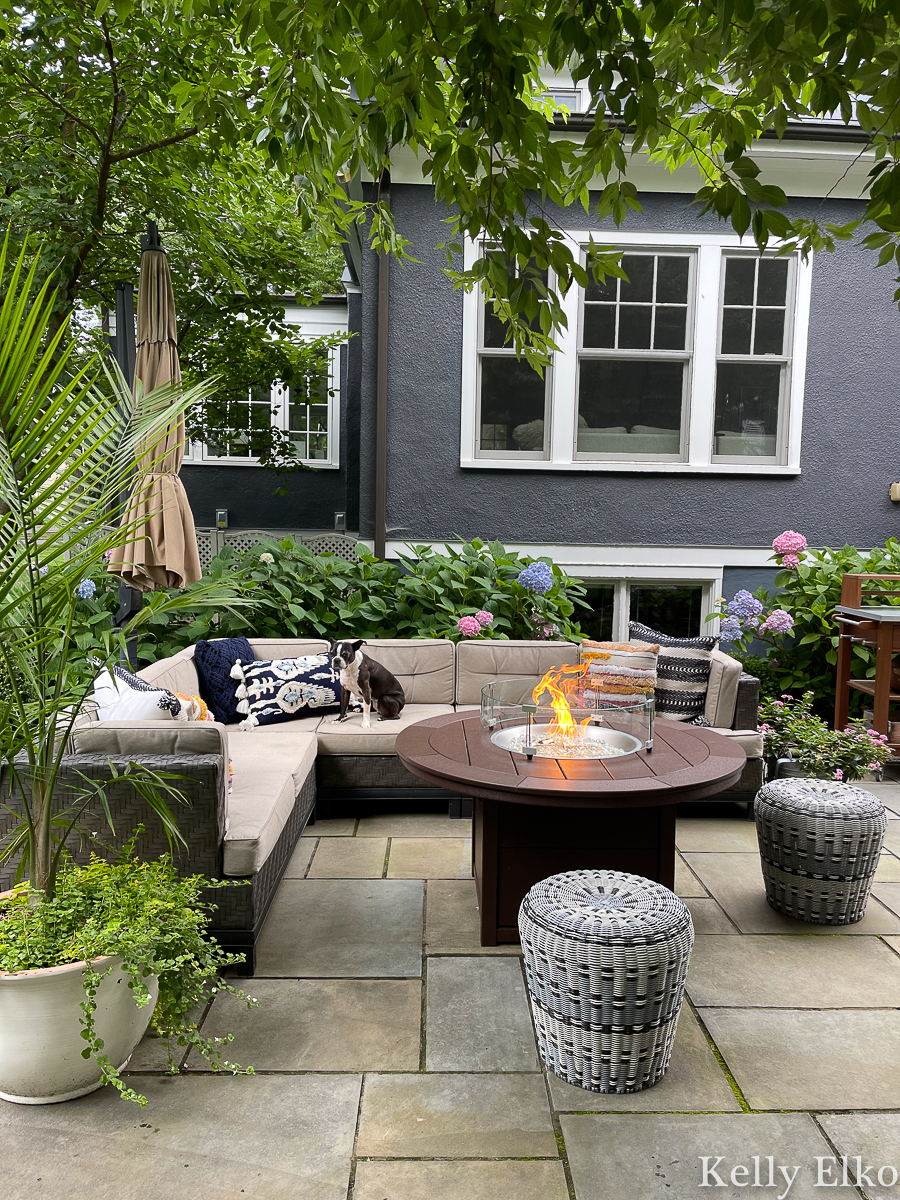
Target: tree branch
point(160, 145)
point(56, 103)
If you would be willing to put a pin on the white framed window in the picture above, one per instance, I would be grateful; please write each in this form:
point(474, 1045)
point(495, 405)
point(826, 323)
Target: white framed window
point(695, 364)
point(674, 606)
point(511, 397)
point(309, 412)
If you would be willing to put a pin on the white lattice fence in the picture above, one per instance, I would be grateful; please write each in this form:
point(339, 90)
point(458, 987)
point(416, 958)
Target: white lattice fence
point(211, 541)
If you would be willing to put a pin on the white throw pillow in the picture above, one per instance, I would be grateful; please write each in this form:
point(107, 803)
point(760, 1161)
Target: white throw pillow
point(118, 699)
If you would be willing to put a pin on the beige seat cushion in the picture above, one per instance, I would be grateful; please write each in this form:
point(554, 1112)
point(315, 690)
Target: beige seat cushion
point(722, 689)
point(423, 666)
point(295, 725)
point(151, 737)
point(269, 772)
point(349, 737)
point(749, 740)
point(480, 662)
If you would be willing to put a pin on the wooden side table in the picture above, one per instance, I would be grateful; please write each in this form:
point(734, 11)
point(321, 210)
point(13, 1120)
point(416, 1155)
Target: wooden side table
point(873, 625)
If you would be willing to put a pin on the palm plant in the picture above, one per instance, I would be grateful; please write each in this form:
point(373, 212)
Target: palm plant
point(67, 454)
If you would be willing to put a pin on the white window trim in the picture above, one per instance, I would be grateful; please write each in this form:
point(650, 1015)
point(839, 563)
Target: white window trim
point(711, 581)
point(197, 454)
point(697, 457)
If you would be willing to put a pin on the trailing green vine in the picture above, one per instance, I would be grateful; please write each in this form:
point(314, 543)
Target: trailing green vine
point(151, 918)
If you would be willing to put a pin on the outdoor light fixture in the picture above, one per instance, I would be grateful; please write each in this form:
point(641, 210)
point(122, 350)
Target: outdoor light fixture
point(221, 518)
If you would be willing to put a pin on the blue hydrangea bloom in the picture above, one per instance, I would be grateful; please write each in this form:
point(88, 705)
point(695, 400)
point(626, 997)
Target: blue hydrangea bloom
point(730, 629)
point(537, 578)
point(86, 589)
point(744, 607)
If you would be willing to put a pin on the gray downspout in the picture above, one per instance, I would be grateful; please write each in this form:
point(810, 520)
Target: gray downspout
point(381, 386)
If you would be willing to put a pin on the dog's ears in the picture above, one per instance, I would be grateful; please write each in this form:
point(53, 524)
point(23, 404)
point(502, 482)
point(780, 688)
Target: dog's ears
point(332, 642)
point(357, 644)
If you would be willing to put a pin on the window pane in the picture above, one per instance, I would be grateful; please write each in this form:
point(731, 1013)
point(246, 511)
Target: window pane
point(669, 609)
point(597, 621)
point(607, 290)
point(736, 325)
point(628, 406)
point(769, 338)
point(747, 396)
point(739, 273)
point(512, 405)
point(672, 279)
point(639, 269)
point(670, 329)
point(318, 446)
point(772, 287)
point(634, 326)
point(494, 328)
point(298, 441)
point(599, 325)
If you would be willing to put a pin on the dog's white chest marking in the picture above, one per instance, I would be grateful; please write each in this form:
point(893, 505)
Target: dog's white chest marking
point(350, 676)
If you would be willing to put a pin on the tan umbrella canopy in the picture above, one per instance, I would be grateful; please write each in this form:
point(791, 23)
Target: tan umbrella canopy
point(164, 551)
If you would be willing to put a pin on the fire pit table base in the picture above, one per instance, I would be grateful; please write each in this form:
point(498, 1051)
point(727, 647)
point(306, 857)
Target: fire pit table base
point(516, 845)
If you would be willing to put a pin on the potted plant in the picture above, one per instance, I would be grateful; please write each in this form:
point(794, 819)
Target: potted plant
point(797, 742)
point(67, 960)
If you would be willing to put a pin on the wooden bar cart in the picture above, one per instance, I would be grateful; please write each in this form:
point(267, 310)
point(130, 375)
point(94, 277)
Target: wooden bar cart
point(873, 625)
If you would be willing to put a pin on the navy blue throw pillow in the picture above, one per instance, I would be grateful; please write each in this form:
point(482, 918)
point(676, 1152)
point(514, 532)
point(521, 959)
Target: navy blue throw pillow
point(214, 661)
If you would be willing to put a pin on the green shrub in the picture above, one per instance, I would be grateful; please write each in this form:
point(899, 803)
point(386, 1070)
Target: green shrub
point(301, 594)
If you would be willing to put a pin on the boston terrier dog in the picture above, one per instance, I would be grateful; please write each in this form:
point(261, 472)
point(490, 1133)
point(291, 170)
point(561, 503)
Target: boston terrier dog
point(361, 676)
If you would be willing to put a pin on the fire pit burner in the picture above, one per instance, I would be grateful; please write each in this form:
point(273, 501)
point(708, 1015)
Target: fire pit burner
point(563, 717)
point(590, 742)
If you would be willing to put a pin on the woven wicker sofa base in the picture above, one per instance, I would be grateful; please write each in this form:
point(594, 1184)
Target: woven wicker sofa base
point(353, 772)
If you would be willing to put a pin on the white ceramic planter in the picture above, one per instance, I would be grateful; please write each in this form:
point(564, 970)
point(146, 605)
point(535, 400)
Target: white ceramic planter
point(40, 1030)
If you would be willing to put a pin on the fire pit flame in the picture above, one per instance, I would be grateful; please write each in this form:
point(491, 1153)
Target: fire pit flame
point(564, 726)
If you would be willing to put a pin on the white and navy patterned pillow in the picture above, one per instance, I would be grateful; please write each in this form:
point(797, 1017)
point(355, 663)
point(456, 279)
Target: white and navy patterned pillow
point(682, 673)
point(123, 696)
point(282, 689)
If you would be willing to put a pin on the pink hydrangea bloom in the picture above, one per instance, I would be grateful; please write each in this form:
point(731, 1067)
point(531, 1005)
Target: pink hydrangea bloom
point(778, 621)
point(789, 542)
point(873, 766)
point(483, 617)
point(468, 626)
point(791, 561)
point(839, 774)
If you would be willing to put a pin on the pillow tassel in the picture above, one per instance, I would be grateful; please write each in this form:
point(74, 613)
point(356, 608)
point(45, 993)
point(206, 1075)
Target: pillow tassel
point(243, 706)
point(237, 671)
point(248, 722)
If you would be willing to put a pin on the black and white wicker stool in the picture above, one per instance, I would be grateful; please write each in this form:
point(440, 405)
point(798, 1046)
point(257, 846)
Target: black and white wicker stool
point(606, 957)
point(819, 842)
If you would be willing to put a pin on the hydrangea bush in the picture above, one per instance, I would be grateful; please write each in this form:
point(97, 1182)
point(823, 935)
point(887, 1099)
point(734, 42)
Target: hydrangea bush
point(791, 729)
point(480, 590)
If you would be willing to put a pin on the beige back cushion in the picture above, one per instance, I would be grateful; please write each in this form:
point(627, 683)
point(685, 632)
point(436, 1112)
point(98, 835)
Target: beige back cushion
point(480, 662)
point(177, 673)
point(424, 666)
point(152, 737)
point(721, 692)
point(266, 649)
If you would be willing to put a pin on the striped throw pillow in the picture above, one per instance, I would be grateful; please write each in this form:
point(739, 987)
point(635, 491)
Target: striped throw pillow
point(682, 673)
point(618, 674)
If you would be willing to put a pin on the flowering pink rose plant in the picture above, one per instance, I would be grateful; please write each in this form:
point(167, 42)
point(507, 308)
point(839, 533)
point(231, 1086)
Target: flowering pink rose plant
point(791, 729)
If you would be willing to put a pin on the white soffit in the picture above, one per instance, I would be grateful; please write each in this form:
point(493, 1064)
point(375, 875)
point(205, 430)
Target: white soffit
point(799, 168)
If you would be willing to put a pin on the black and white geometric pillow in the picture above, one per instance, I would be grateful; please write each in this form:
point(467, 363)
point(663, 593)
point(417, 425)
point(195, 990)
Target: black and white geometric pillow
point(167, 701)
point(283, 689)
point(682, 673)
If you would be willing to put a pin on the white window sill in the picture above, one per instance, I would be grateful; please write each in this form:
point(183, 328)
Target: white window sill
point(316, 463)
point(655, 468)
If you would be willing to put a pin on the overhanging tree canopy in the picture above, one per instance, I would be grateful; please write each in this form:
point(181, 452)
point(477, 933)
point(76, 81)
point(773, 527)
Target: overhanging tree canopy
point(347, 81)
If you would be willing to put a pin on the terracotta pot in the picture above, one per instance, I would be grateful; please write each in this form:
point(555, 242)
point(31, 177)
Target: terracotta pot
point(40, 1029)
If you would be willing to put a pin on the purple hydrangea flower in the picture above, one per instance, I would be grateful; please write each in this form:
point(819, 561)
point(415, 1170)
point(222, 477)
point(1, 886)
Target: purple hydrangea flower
point(778, 621)
point(744, 606)
point(537, 578)
point(86, 589)
point(730, 629)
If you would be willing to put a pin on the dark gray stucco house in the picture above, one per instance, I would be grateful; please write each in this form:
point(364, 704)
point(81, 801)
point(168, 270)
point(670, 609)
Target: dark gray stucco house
point(689, 417)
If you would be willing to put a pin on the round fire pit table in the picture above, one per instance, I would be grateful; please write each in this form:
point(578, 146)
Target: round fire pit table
point(539, 818)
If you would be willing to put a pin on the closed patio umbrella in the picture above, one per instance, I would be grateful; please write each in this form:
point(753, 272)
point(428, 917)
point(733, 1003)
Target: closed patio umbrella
point(164, 550)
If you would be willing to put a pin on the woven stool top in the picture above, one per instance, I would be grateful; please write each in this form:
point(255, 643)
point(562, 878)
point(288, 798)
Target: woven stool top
point(608, 907)
point(821, 798)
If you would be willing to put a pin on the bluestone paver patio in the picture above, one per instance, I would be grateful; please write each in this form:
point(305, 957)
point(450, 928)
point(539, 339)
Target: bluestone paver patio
point(396, 1060)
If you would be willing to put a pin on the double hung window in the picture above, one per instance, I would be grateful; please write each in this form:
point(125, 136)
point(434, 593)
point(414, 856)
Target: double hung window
point(694, 362)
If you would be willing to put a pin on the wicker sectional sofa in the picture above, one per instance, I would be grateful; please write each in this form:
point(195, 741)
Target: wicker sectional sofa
point(283, 774)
